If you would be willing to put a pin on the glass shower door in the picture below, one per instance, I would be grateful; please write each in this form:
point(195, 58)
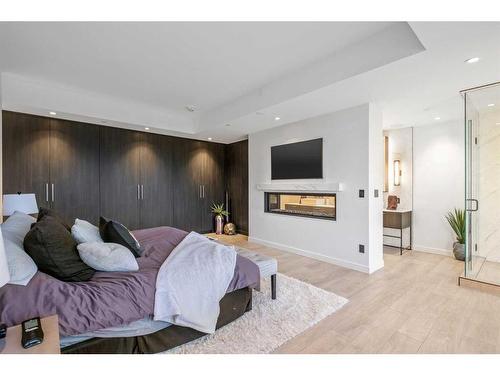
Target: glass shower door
point(473, 261)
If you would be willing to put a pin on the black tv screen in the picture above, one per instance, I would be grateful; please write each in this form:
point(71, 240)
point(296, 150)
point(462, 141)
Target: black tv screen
point(297, 160)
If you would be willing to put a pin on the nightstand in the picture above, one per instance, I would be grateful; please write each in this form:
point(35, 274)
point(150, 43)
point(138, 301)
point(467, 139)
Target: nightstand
point(50, 344)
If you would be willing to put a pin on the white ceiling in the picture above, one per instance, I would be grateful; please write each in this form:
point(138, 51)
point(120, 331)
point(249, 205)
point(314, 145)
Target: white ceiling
point(231, 71)
point(171, 64)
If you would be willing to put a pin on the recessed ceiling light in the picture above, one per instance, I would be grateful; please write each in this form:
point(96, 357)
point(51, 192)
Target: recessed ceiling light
point(498, 123)
point(146, 128)
point(52, 113)
point(209, 138)
point(277, 118)
point(437, 118)
point(472, 60)
point(491, 105)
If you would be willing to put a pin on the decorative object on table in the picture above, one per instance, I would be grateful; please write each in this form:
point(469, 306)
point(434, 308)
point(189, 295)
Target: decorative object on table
point(456, 219)
point(25, 203)
point(392, 202)
point(220, 212)
point(32, 333)
point(4, 279)
point(230, 229)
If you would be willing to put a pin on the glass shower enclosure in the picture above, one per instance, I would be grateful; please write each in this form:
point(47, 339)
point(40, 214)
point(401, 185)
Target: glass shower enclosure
point(482, 183)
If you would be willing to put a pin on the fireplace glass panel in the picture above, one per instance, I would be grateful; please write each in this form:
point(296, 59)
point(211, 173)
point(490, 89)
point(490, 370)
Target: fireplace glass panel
point(322, 206)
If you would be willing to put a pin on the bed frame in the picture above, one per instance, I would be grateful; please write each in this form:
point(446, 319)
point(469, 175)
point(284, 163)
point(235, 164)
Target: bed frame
point(232, 306)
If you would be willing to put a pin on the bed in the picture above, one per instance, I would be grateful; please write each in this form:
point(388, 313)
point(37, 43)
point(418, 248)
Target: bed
point(115, 300)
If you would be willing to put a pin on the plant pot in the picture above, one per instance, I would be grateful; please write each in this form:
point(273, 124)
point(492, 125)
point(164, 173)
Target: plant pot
point(459, 251)
point(219, 224)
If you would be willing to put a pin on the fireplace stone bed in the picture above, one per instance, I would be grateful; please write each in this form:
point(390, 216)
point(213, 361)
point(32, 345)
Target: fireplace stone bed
point(315, 205)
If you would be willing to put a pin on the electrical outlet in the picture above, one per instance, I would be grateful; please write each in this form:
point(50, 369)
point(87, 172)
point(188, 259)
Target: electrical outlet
point(361, 193)
point(362, 249)
point(375, 193)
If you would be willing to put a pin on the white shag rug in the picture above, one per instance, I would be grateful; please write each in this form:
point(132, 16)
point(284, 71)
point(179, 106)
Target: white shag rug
point(270, 323)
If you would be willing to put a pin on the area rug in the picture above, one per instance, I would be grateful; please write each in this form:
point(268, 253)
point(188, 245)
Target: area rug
point(271, 323)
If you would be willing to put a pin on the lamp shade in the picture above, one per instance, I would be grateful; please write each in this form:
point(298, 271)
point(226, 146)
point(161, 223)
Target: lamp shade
point(19, 202)
point(4, 268)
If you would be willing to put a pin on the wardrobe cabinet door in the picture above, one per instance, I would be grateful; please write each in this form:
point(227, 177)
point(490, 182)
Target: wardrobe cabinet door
point(213, 183)
point(156, 181)
point(26, 155)
point(236, 168)
point(120, 175)
point(188, 205)
point(74, 170)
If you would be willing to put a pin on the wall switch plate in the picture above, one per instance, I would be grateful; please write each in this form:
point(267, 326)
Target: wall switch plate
point(362, 249)
point(375, 193)
point(361, 193)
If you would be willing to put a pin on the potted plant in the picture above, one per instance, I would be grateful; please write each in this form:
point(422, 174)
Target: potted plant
point(220, 212)
point(456, 218)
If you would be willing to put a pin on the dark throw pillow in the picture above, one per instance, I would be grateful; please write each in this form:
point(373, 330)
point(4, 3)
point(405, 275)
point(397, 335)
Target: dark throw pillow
point(115, 232)
point(44, 212)
point(54, 251)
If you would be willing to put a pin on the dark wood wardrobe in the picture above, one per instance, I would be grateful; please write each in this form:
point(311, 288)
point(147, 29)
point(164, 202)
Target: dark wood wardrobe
point(140, 179)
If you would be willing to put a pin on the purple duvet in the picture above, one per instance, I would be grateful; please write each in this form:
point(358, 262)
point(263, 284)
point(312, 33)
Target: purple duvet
point(109, 299)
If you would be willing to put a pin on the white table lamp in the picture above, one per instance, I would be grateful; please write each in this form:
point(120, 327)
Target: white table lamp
point(19, 202)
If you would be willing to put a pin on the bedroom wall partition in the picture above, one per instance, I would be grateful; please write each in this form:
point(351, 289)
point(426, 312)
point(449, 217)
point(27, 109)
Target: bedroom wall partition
point(140, 179)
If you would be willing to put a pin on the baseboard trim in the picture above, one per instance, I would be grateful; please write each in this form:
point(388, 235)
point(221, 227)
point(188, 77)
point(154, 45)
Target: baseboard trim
point(433, 250)
point(323, 258)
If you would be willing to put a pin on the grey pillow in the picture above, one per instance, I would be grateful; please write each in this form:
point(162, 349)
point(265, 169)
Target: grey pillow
point(107, 256)
point(16, 227)
point(21, 267)
point(83, 231)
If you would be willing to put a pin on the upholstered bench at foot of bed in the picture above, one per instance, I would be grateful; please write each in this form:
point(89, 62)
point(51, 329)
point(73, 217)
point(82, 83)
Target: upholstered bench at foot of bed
point(268, 266)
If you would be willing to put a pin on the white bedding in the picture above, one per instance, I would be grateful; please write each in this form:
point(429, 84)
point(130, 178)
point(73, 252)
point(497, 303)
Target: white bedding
point(192, 281)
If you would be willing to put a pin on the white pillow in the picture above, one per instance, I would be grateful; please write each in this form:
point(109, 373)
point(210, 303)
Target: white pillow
point(21, 267)
point(16, 227)
point(107, 256)
point(83, 231)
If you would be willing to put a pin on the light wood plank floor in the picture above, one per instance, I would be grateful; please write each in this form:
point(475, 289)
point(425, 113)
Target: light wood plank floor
point(412, 305)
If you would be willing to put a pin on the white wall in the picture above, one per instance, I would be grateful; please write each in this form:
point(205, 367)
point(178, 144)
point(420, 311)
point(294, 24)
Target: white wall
point(438, 183)
point(346, 160)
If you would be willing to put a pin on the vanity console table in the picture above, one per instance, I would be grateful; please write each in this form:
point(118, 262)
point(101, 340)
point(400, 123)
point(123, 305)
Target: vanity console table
point(398, 219)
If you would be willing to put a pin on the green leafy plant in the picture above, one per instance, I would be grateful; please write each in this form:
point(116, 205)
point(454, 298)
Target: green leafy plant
point(218, 209)
point(456, 218)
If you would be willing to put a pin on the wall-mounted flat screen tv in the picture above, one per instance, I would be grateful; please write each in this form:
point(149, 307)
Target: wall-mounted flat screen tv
point(297, 160)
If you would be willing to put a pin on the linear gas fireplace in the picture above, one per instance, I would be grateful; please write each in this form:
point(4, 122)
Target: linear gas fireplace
point(317, 205)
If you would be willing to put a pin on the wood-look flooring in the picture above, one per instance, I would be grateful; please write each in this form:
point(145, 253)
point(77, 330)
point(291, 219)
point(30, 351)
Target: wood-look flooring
point(412, 305)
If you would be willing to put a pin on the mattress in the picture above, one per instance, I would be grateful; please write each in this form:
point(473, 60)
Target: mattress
point(138, 328)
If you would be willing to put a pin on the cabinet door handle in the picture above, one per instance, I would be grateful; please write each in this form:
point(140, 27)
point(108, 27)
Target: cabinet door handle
point(47, 192)
point(203, 189)
point(52, 192)
point(142, 192)
point(138, 192)
point(199, 191)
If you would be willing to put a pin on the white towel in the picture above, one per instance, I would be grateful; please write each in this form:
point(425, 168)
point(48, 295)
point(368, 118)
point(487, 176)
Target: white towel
point(192, 281)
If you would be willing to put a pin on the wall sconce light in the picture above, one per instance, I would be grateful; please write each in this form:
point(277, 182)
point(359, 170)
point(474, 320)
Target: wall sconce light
point(397, 172)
